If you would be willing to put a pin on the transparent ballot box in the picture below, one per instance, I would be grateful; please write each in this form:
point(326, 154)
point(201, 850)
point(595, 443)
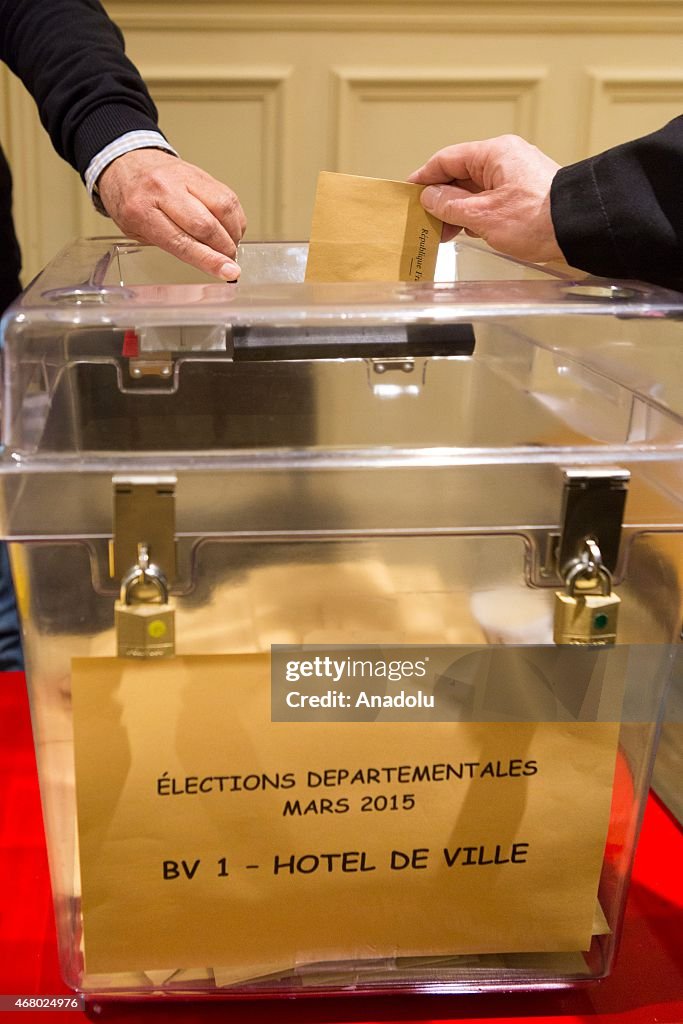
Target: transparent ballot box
point(349, 613)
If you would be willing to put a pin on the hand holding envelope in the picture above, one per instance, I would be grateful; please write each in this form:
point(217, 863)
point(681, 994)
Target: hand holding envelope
point(371, 229)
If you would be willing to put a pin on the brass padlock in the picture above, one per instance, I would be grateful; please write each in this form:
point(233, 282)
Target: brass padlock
point(587, 616)
point(143, 616)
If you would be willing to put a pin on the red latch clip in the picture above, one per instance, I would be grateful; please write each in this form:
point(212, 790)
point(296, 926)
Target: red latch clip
point(131, 344)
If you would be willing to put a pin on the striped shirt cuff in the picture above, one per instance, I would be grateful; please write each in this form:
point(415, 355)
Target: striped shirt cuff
point(124, 144)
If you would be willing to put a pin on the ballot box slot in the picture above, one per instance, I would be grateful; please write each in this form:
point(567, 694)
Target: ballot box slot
point(395, 341)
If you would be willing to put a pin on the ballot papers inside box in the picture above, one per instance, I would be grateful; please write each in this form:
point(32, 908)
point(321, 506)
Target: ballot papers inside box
point(350, 602)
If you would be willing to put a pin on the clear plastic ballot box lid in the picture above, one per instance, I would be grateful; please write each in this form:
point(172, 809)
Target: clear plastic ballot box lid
point(349, 612)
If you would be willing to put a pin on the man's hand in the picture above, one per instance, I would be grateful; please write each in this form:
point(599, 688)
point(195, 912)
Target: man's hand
point(153, 196)
point(498, 190)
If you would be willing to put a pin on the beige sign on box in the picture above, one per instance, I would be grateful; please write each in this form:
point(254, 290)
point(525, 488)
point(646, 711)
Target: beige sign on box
point(212, 837)
point(370, 229)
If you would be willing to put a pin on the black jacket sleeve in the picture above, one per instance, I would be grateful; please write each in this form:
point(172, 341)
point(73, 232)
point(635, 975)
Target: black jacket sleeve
point(70, 56)
point(620, 214)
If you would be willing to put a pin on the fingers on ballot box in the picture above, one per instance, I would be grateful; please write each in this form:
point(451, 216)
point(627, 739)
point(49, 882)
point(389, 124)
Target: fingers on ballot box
point(349, 610)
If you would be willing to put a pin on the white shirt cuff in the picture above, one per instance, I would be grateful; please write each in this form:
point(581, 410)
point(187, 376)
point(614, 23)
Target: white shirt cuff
point(124, 144)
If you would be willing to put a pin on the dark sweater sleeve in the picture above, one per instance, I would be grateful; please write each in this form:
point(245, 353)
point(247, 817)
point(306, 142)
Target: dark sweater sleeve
point(620, 214)
point(70, 56)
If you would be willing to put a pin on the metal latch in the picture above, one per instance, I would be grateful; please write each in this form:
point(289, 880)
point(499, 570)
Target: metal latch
point(158, 363)
point(144, 513)
point(592, 508)
point(406, 365)
point(392, 377)
point(152, 351)
point(160, 366)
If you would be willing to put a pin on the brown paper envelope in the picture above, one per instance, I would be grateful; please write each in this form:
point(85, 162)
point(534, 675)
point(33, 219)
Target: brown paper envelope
point(370, 229)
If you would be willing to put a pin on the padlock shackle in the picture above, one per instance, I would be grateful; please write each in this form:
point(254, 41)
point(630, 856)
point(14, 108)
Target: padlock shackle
point(146, 573)
point(589, 570)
